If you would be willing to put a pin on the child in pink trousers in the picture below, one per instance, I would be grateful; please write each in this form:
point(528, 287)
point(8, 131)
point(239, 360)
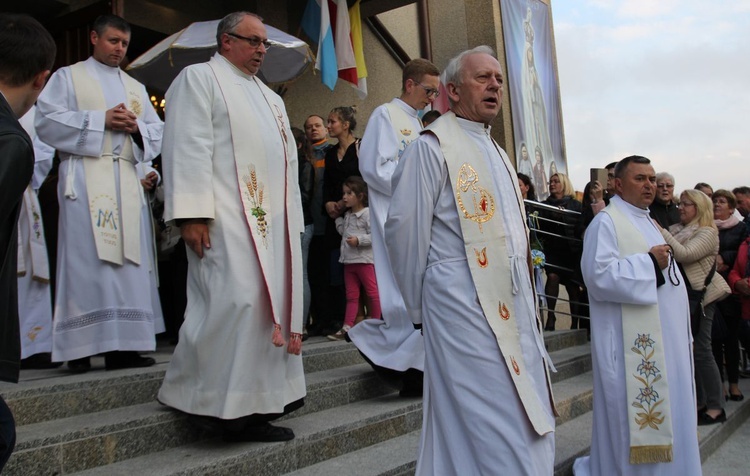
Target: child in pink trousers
point(356, 253)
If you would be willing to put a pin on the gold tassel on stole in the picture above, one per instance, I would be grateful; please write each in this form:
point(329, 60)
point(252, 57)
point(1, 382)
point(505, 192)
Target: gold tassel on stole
point(650, 454)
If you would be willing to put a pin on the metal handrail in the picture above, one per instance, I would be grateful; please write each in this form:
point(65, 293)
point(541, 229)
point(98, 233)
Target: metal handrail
point(549, 233)
point(536, 222)
point(557, 311)
point(544, 206)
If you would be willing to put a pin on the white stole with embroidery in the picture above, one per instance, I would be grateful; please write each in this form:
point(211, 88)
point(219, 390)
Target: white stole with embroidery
point(402, 127)
point(649, 413)
point(37, 247)
point(116, 229)
point(487, 254)
point(252, 172)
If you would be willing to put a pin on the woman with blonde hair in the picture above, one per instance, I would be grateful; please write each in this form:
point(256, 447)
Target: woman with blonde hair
point(562, 252)
point(695, 243)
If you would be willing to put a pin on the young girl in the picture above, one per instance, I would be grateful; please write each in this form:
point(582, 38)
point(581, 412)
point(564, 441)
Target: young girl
point(356, 253)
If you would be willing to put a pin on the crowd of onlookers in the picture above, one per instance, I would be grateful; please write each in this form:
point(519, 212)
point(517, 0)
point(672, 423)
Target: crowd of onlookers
point(708, 232)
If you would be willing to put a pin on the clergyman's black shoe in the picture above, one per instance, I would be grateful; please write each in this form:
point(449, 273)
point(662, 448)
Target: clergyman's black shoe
point(126, 360)
point(79, 366)
point(39, 361)
point(264, 432)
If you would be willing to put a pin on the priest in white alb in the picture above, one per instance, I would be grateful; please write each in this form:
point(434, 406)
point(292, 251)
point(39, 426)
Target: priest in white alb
point(392, 345)
point(231, 184)
point(459, 248)
point(102, 123)
point(645, 419)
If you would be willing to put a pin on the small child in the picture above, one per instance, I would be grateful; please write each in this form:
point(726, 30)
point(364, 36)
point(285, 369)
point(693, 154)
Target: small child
point(356, 253)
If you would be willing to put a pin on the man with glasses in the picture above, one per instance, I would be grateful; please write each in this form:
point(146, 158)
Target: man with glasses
point(231, 184)
point(392, 345)
point(664, 209)
point(102, 123)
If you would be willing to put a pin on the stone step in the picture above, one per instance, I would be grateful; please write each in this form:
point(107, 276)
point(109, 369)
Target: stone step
point(573, 438)
point(319, 436)
point(557, 340)
point(571, 362)
point(730, 459)
point(44, 395)
point(76, 422)
point(398, 456)
point(76, 444)
point(124, 432)
point(394, 457)
point(573, 397)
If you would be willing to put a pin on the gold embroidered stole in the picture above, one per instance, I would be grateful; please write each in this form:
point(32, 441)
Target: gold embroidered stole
point(37, 247)
point(487, 254)
point(646, 382)
point(251, 162)
point(116, 225)
point(403, 127)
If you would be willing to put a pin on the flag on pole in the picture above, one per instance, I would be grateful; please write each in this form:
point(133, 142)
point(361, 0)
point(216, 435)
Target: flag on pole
point(342, 41)
point(316, 23)
point(355, 20)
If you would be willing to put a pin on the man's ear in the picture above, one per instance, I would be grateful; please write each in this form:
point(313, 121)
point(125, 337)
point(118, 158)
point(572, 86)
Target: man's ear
point(618, 185)
point(410, 84)
point(225, 41)
point(40, 80)
point(94, 36)
point(452, 91)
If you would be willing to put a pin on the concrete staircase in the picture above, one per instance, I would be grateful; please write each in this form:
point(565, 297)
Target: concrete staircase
point(108, 423)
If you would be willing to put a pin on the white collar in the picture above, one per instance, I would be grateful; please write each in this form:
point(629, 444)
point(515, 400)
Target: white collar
point(407, 108)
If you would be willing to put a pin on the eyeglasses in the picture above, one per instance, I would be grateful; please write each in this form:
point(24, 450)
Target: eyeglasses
point(430, 91)
point(665, 185)
point(687, 204)
point(254, 41)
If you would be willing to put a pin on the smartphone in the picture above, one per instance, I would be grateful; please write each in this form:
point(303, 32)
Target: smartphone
point(600, 175)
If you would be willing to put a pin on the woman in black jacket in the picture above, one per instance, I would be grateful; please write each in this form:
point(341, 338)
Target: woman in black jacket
point(561, 251)
point(341, 162)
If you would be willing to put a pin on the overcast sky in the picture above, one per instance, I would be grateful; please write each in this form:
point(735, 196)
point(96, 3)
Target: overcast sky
point(666, 79)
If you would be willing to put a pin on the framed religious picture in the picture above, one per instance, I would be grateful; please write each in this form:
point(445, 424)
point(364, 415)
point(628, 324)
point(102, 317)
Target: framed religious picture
point(534, 89)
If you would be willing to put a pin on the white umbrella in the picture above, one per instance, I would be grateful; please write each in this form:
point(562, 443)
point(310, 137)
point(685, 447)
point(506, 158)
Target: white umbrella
point(286, 60)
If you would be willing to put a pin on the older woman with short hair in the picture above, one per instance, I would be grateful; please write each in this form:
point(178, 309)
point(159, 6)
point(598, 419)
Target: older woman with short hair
point(695, 243)
point(732, 232)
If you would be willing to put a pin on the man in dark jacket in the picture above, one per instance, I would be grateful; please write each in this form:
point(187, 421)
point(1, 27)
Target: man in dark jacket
point(27, 52)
